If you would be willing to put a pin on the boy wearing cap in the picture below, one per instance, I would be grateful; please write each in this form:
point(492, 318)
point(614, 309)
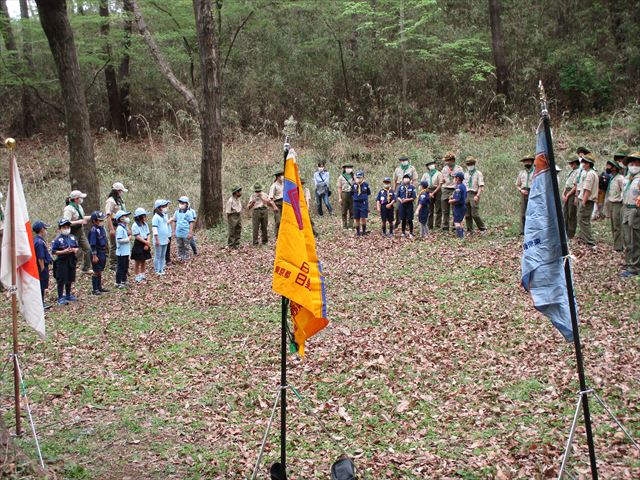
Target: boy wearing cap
point(360, 192)
point(569, 209)
point(345, 198)
point(73, 211)
point(448, 185)
point(404, 168)
point(631, 216)
point(161, 234)
point(323, 190)
point(459, 201)
point(114, 203)
point(65, 249)
point(384, 205)
point(123, 248)
point(184, 222)
point(423, 208)
point(43, 258)
point(141, 250)
point(258, 202)
point(406, 195)
point(589, 195)
point(614, 200)
point(523, 184)
point(434, 178)
point(276, 193)
point(233, 211)
point(98, 243)
point(474, 183)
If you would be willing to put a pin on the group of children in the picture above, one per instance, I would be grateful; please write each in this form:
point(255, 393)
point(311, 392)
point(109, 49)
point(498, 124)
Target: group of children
point(133, 240)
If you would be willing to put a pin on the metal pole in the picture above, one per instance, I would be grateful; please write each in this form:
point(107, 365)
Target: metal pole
point(283, 387)
point(569, 282)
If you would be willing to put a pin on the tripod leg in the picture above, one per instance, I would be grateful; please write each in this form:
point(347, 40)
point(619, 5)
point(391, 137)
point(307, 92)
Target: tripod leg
point(266, 432)
point(26, 400)
point(574, 424)
point(606, 407)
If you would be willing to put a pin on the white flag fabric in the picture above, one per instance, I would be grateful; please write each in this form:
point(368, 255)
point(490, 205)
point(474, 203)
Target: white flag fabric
point(27, 276)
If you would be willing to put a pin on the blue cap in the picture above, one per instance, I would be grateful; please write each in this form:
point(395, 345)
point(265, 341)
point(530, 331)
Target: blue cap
point(386, 180)
point(183, 199)
point(359, 174)
point(64, 221)
point(97, 215)
point(161, 203)
point(121, 213)
point(459, 175)
point(424, 184)
point(140, 212)
point(39, 225)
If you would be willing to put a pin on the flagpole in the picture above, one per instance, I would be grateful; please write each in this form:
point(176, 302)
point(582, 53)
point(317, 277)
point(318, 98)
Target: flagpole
point(11, 144)
point(569, 282)
point(283, 364)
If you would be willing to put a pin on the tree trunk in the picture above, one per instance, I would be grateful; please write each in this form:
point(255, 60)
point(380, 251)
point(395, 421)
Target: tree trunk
point(210, 115)
point(405, 80)
point(497, 45)
point(113, 95)
point(6, 30)
point(82, 165)
point(28, 119)
point(125, 101)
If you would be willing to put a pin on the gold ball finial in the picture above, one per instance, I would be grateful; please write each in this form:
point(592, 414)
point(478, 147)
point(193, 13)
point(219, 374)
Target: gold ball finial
point(10, 143)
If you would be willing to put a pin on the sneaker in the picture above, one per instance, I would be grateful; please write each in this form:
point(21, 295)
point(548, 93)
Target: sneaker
point(46, 306)
point(121, 285)
point(138, 278)
point(161, 273)
point(103, 290)
point(62, 301)
point(410, 235)
point(71, 298)
point(96, 292)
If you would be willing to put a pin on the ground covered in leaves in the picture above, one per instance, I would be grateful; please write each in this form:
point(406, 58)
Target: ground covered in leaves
point(435, 365)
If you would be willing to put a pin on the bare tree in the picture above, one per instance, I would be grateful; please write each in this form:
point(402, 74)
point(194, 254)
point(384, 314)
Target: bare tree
point(111, 81)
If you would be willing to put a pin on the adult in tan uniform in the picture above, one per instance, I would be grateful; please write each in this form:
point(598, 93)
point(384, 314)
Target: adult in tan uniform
point(523, 184)
point(448, 185)
point(233, 211)
point(589, 194)
point(404, 168)
point(569, 208)
point(276, 193)
point(74, 212)
point(345, 198)
point(474, 181)
point(434, 179)
point(614, 199)
point(113, 205)
point(260, 217)
point(631, 216)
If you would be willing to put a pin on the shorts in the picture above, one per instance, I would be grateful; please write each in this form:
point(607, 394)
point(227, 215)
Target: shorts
point(459, 212)
point(44, 278)
point(102, 262)
point(423, 216)
point(386, 214)
point(64, 269)
point(360, 210)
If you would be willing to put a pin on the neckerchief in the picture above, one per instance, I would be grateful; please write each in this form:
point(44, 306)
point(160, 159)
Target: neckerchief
point(471, 174)
point(404, 169)
point(78, 209)
point(610, 182)
point(529, 177)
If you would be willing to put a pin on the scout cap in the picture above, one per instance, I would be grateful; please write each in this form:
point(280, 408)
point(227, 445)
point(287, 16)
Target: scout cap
point(615, 164)
point(622, 152)
point(583, 150)
point(403, 158)
point(183, 199)
point(63, 221)
point(257, 187)
point(119, 186)
point(97, 215)
point(406, 175)
point(459, 175)
point(236, 188)
point(77, 194)
point(450, 156)
point(347, 165)
point(424, 184)
point(161, 203)
point(39, 225)
point(527, 159)
point(386, 180)
point(589, 158)
point(122, 213)
point(573, 160)
point(140, 212)
point(278, 173)
point(634, 157)
point(359, 174)
point(470, 160)
point(429, 162)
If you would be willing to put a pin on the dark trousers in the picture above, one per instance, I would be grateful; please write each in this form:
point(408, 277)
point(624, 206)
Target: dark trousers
point(435, 210)
point(122, 268)
point(347, 209)
point(406, 216)
point(524, 200)
point(167, 255)
point(570, 214)
point(260, 222)
point(323, 198)
point(234, 222)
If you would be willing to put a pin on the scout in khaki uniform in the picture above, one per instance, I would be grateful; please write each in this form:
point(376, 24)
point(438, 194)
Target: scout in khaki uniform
point(569, 209)
point(631, 216)
point(589, 194)
point(614, 199)
point(233, 210)
point(276, 193)
point(75, 214)
point(260, 218)
point(345, 197)
point(434, 179)
point(405, 168)
point(448, 185)
point(523, 184)
point(474, 181)
point(621, 156)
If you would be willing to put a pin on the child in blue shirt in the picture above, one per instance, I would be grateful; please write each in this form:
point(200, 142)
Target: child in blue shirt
point(184, 221)
point(161, 234)
point(98, 243)
point(406, 195)
point(141, 251)
point(384, 204)
point(194, 245)
point(423, 208)
point(64, 248)
point(459, 202)
point(42, 256)
point(360, 192)
point(123, 248)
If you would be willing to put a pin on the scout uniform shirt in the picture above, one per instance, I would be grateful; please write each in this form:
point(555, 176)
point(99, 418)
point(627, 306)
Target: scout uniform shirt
point(42, 253)
point(111, 207)
point(385, 197)
point(234, 205)
point(98, 240)
point(401, 171)
point(259, 199)
point(345, 181)
point(570, 181)
point(615, 188)
point(73, 212)
point(360, 192)
point(448, 178)
point(406, 191)
point(276, 191)
point(473, 180)
point(631, 190)
point(579, 179)
point(433, 178)
point(590, 182)
point(524, 178)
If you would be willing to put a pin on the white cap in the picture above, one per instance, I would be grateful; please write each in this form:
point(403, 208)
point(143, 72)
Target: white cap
point(119, 186)
point(77, 194)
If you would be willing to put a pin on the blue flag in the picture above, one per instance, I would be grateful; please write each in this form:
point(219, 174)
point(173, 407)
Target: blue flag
point(542, 263)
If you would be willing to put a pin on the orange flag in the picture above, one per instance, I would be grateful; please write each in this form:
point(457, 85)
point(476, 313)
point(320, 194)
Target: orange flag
point(297, 273)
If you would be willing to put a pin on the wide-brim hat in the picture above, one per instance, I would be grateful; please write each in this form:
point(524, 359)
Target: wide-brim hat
point(621, 152)
point(583, 150)
point(633, 156)
point(589, 158)
point(615, 164)
point(574, 160)
point(119, 186)
point(122, 213)
point(403, 158)
point(450, 156)
point(277, 174)
point(236, 189)
point(470, 160)
point(257, 187)
point(430, 162)
point(347, 165)
point(77, 194)
point(527, 159)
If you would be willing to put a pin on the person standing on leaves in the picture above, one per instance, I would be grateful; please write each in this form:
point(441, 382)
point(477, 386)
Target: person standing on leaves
point(98, 242)
point(384, 205)
point(192, 242)
point(523, 184)
point(405, 168)
point(276, 193)
point(569, 209)
point(307, 197)
point(75, 214)
point(123, 249)
point(586, 202)
point(580, 152)
point(233, 211)
point(258, 203)
point(141, 250)
point(360, 191)
point(321, 180)
point(448, 185)
point(459, 201)
point(161, 230)
point(474, 183)
point(184, 222)
point(64, 248)
point(423, 208)
point(43, 258)
point(602, 206)
point(631, 216)
point(345, 196)
point(614, 200)
point(406, 195)
point(434, 179)
point(114, 204)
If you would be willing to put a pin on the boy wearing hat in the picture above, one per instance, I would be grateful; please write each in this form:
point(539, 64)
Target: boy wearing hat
point(588, 195)
point(123, 247)
point(43, 258)
point(614, 200)
point(459, 201)
point(233, 211)
point(406, 195)
point(74, 212)
point(621, 157)
point(474, 183)
point(404, 168)
point(631, 216)
point(345, 197)
point(523, 184)
point(448, 184)
point(98, 243)
point(384, 205)
point(323, 190)
point(569, 209)
point(360, 191)
point(423, 208)
point(258, 203)
point(276, 193)
point(65, 249)
point(434, 178)
point(184, 221)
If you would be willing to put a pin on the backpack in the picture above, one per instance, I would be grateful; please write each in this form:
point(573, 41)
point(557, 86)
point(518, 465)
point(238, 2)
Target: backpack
point(343, 469)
